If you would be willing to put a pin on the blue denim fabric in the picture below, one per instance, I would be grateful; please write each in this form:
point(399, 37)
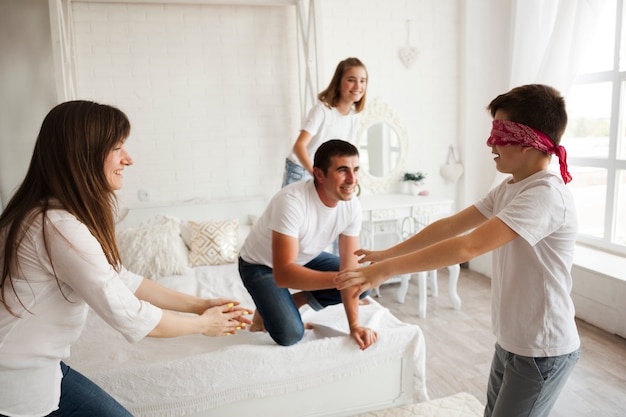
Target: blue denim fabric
point(520, 386)
point(80, 397)
point(294, 173)
point(281, 316)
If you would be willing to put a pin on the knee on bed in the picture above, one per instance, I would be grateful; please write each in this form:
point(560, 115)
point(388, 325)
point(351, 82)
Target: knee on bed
point(288, 335)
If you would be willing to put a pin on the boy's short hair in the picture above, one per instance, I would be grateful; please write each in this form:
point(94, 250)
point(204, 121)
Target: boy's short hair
point(331, 148)
point(536, 105)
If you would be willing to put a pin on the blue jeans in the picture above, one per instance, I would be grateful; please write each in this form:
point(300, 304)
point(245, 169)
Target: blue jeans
point(280, 313)
point(80, 397)
point(520, 386)
point(294, 173)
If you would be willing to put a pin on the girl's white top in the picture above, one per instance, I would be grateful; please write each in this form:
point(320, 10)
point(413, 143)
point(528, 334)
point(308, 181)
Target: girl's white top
point(52, 318)
point(324, 124)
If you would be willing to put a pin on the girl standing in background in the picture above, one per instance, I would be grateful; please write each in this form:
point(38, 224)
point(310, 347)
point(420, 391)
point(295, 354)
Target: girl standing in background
point(334, 116)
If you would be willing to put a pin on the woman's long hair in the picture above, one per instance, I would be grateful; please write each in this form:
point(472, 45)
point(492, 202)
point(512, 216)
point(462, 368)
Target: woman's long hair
point(332, 93)
point(67, 172)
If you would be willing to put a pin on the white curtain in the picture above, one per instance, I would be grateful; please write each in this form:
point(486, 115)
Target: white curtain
point(548, 39)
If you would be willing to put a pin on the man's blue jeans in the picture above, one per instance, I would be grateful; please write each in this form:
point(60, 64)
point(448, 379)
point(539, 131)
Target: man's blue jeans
point(520, 386)
point(281, 316)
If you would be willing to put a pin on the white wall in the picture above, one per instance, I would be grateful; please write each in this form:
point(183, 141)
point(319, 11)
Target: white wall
point(211, 92)
point(485, 67)
point(26, 83)
point(222, 119)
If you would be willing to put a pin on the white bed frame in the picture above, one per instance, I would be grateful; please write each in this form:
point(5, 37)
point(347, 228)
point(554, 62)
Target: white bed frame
point(383, 385)
point(379, 387)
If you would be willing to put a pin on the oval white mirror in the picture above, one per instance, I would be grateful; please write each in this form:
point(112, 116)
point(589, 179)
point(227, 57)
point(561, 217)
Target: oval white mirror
point(382, 144)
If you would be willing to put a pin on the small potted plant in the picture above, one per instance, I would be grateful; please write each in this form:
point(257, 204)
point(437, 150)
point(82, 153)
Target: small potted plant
point(414, 182)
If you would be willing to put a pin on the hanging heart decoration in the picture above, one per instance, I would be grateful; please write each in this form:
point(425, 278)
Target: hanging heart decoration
point(408, 56)
point(452, 170)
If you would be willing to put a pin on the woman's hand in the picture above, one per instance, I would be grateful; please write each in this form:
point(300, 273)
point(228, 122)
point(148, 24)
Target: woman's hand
point(225, 318)
point(364, 337)
point(218, 302)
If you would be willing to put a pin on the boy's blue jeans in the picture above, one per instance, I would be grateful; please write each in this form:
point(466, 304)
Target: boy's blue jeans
point(281, 316)
point(520, 386)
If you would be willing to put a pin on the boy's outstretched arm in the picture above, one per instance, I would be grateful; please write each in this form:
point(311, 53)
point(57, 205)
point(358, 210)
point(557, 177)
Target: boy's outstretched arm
point(435, 232)
point(488, 236)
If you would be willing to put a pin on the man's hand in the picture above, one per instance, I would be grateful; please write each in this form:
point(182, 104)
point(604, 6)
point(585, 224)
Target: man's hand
point(363, 336)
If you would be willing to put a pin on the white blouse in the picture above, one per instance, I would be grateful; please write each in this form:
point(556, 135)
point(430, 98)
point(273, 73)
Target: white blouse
point(52, 318)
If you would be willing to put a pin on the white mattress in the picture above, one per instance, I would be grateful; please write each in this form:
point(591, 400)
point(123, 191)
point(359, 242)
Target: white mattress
point(177, 377)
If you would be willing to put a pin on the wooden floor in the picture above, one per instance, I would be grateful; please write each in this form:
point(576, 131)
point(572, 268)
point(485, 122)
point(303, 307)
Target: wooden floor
point(459, 347)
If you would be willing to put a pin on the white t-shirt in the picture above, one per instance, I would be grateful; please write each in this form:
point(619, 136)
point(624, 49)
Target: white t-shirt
point(297, 211)
point(324, 124)
point(32, 346)
point(532, 310)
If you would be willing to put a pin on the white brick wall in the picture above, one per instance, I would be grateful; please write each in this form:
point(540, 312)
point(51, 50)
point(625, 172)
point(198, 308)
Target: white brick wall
point(211, 92)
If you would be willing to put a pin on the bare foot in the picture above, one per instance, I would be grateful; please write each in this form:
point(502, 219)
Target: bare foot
point(364, 301)
point(257, 323)
point(308, 326)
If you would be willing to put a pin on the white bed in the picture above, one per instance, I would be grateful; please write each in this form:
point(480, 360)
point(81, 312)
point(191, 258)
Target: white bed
point(248, 374)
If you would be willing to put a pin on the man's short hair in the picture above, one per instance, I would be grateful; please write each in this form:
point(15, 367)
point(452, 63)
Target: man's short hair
point(330, 149)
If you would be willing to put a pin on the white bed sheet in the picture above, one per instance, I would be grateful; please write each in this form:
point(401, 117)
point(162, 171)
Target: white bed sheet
point(182, 376)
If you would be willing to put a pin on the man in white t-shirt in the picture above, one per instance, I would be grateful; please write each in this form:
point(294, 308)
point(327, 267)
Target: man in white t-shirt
point(285, 249)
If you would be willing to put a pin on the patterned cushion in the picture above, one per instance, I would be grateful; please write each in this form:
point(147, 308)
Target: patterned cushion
point(214, 243)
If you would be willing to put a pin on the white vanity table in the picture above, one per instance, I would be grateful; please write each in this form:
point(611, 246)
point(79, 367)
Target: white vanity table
point(389, 218)
point(396, 217)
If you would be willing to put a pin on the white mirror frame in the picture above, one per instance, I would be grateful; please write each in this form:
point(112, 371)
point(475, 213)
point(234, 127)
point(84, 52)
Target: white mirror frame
point(375, 112)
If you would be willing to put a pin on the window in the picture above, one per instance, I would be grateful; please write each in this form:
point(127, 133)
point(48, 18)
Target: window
point(595, 138)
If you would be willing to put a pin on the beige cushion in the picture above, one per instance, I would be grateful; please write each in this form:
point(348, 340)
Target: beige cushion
point(214, 243)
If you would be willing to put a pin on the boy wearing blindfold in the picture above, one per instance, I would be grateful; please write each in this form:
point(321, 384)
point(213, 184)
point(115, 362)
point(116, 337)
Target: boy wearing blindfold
point(529, 223)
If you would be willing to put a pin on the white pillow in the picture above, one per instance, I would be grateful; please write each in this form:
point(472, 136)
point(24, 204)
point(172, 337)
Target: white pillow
point(154, 249)
point(185, 233)
point(214, 243)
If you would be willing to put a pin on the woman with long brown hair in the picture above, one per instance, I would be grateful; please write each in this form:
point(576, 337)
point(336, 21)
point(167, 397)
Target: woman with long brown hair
point(59, 258)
